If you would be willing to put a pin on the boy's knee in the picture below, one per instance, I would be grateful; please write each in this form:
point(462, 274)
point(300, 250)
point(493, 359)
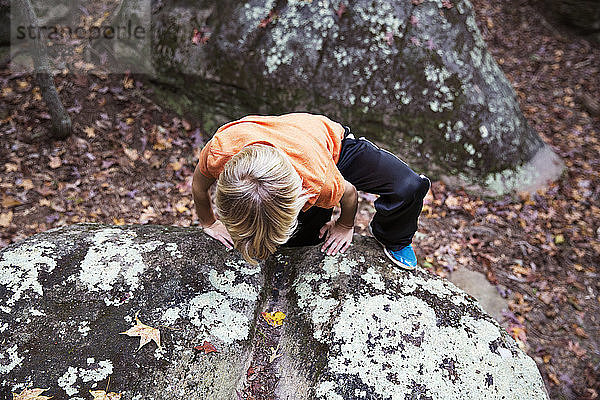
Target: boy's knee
point(424, 185)
point(415, 187)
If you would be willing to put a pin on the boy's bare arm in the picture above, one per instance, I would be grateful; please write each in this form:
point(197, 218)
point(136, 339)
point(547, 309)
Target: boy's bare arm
point(212, 226)
point(348, 206)
point(339, 233)
point(200, 186)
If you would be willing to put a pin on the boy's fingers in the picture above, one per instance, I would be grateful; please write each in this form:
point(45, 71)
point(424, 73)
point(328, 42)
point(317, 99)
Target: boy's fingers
point(322, 231)
point(343, 250)
point(225, 241)
point(338, 246)
point(333, 249)
point(327, 244)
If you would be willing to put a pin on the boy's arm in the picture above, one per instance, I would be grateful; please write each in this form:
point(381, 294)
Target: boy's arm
point(200, 186)
point(348, 205)
point(212, 226)
point(339, 233)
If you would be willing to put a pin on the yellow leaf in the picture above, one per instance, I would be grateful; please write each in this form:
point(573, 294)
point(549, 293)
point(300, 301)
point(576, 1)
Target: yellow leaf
point(275, 319)
point(6, 91)
point(8, 202)
point(31, 394)
point(145, 332)
point(547, 358)
point(176, 166)
point(102, 395)
point(558, 239)
point(119, 221)
point(129, 121)
point(181, 208)
point(554, 378)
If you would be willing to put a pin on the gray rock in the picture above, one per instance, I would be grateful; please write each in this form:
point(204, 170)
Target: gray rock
point(476, 284)
point(67, 294)
point(416, 78)
point(356, 327)
point(582, 14)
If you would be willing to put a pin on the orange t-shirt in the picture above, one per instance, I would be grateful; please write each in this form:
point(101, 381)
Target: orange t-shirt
point(312, 142)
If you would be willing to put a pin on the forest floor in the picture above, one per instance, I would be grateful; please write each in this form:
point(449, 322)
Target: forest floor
point(130, 161)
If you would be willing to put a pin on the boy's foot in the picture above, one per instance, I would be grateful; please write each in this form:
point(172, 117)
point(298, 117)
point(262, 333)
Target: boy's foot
point(404, 258)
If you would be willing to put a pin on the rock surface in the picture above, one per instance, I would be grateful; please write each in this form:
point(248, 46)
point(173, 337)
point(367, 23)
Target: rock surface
point(357, 328)
point(67, 294)
point(416, 76)
point(582, 14)
point(362, 329)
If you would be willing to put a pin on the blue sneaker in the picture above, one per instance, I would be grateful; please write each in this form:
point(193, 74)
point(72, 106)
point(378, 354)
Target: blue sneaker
point(404, 258)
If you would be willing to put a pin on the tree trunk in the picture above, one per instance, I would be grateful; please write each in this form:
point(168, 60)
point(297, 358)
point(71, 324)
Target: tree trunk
point(61, 122)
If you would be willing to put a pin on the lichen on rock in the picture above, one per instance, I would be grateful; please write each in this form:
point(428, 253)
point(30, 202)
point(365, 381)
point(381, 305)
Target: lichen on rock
point(356, 326)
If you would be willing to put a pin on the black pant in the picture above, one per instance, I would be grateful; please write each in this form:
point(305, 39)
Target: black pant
point(373, 170)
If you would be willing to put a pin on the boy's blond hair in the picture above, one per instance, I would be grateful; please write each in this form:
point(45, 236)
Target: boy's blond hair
point(259, 195)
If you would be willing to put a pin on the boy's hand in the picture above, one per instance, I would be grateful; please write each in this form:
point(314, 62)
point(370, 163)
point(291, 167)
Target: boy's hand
point(338, 238)
point(218, 231)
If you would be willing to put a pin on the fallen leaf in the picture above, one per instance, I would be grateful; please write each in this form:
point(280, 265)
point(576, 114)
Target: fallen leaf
point(31, 394)
point(176, 166)
point(207, 347)
point(8, 202)
point(447, 4)
point(128, 82)
point(119, 221)
point(89, 131)
point(546, 297)
point(201, 36)
point(102, 395)
point(554, 378)
point(131, 153)
point(145, 332)
point(558, 239)
point(10, 167)
point(576, 349)
point(270, 18)
point(26, 184)
point(547, 358)
point(55, 162)
point(274, 356)
point(275, 319)
point(6, 219)
point(579, 331)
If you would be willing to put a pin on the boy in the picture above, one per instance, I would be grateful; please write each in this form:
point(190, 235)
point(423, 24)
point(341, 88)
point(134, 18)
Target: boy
point(278, 173)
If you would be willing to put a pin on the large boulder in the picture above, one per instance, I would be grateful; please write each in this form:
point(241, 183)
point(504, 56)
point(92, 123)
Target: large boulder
point(356, 327)
point(415, 76)
point(582, 14)
point(67, 295)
